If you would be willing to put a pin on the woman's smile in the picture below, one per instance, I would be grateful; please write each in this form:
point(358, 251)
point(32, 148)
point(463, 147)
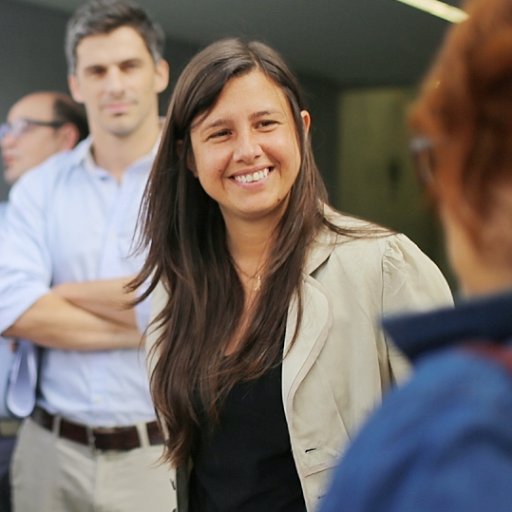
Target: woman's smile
point(251, 177)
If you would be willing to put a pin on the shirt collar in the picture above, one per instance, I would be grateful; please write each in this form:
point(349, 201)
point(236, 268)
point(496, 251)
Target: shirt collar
point(80, 152)
point(82, 155)
point(483, 319)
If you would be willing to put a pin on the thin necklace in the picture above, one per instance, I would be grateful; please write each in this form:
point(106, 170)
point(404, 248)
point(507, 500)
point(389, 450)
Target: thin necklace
point(254, 277)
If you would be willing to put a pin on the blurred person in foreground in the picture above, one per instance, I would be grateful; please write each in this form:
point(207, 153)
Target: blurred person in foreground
point(266, 353)
point(443, 442)
point(38, 125)
point(92, 442)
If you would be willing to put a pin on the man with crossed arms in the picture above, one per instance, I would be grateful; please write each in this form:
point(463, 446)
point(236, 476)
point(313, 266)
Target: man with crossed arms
point(92, 441)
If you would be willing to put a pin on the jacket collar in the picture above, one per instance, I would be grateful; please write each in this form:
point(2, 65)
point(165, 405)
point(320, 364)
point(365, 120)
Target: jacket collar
point(326, 240)
point(320, 250)
point(484, 320)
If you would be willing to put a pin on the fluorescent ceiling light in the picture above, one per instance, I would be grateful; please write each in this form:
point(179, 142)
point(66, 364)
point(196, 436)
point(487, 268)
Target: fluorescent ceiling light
point(437, 8)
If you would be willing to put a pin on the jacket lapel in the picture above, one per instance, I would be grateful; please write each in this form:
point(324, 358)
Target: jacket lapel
point(315, 323)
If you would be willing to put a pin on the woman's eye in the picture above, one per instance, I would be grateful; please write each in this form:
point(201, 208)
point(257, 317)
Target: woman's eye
point(219, 134)
point(267, 123)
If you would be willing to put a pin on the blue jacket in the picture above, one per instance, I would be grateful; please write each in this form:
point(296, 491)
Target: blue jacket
point(443, 441)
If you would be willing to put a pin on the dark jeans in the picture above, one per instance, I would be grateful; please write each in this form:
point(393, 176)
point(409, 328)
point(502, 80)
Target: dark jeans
point(6, 449)
point(5, 493)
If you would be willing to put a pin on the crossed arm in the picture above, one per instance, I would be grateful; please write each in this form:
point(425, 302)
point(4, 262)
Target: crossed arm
point(92, 315)
point(71, 316)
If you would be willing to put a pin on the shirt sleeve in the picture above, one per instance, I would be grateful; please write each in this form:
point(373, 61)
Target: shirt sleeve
point(411, 282)
point(25, 264)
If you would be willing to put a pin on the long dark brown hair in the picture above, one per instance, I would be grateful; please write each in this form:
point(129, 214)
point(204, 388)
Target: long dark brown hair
point(184, 234)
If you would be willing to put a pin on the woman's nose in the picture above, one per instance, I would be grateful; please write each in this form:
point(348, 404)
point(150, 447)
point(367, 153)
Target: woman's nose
point(247, 148)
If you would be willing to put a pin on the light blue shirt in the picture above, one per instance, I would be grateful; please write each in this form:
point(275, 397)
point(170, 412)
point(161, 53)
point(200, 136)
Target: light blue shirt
point(70, 221)
point(6, 354)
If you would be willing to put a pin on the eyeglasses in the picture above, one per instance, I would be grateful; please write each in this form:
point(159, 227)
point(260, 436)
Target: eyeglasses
point(24, 125)
point(422, 151)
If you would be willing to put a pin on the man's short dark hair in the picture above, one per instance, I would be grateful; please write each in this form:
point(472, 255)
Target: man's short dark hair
point(104, 16)
point(69, 111)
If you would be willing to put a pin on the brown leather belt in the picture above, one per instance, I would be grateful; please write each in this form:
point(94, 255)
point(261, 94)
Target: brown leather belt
point(101, 438)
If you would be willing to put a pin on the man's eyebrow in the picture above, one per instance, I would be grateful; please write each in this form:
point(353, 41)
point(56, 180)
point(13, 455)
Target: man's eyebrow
point(133, 60)
point(94, 66)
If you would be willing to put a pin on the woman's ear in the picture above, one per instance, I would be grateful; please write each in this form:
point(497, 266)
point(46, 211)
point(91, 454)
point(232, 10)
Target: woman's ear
point(306, 119)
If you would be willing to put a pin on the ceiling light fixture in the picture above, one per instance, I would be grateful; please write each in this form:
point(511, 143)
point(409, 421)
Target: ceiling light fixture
point(439, 9)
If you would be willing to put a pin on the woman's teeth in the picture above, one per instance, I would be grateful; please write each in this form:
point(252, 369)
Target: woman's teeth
point(252, 177)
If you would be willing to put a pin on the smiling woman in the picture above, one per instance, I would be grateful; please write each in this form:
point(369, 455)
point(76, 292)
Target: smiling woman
point(264, 350)
point(247, 158)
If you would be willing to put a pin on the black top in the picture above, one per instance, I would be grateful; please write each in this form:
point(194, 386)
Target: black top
point(246, 464)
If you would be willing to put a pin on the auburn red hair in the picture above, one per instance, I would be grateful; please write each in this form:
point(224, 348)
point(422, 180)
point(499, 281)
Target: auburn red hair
point(465, 110)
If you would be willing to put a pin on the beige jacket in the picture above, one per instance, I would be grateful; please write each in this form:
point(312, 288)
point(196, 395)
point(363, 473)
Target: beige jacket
point(341, 362)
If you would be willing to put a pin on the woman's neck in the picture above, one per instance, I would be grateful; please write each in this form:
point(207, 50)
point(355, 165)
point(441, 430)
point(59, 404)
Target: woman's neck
point(249, 243)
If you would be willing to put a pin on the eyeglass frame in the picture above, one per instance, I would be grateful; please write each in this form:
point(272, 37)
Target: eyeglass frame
point(422, 152)
point(22, 126)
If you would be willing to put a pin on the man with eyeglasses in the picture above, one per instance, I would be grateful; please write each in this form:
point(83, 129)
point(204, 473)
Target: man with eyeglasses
point(92, 441)
point(38, 125)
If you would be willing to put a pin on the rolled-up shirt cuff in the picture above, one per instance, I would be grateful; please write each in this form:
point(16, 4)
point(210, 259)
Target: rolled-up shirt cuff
point(19, 302)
